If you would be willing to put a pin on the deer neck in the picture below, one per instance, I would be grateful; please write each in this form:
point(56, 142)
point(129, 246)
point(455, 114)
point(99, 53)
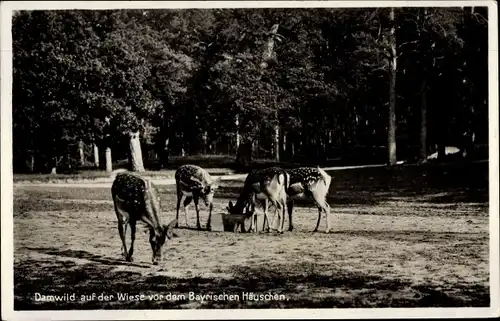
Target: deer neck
point(150, 216)
point(243, 199)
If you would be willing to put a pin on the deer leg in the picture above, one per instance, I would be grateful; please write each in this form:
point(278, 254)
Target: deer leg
point(326, 209)
point(179, 199)
point(290, 211)
point(198, 225)
point(123, 219)
point(122, 231)
point(319, 219)
point(266, 219)
point(186, 205)
point(283, 205)
point(283, 209)
point(277, 213)
point(322, 206)
point(209, 222)
point(122, 228)
point(132, 240)
point(266, 207)
point(253, 219)
point(281, 218)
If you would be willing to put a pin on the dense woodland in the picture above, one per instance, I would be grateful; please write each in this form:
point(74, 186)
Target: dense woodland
point(294, 85)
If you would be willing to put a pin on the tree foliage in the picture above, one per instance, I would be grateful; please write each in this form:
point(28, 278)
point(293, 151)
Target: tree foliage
point(181, 77)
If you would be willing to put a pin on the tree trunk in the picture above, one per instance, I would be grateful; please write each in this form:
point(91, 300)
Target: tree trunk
point(137, 164)
point(257, 148)
point(423, 89)
point(283, 134)
point(205, 142)
point(237, 134)
point(54, 161)
point(31, 163)
point(96, 155)
point(68, 160)
point(81, 153)
point(109, 161)
point(277, 143)
point(423, 120)
point(266, 58)
point(391, 139)
point(244, 156)
point(164, 153)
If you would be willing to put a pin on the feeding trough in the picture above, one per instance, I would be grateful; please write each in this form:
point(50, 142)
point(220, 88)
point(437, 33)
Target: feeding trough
point(224, 222)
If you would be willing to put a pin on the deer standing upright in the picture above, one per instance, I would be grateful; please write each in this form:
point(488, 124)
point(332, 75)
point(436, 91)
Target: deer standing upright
point(135, 198)
point(267, 184)
point(309, 183)
point(194, 182)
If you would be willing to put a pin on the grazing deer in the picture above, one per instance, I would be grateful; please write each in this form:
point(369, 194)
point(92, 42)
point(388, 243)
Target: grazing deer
point(135, 198)
point(267, 184)
point(194, 182)
point(309, 183)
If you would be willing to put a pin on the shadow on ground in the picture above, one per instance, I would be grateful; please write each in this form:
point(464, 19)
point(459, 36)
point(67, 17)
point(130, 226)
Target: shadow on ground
point(86, 255)
point(304, 285)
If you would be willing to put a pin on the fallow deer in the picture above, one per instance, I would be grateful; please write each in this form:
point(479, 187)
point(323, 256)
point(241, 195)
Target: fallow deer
point(309, 183)
point(135, 199)
point(267, 184)
point(194, 182)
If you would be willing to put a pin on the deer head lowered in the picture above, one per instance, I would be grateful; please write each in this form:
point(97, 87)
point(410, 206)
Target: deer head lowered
point(194, 182)
point(135, 199)
point(267, 184)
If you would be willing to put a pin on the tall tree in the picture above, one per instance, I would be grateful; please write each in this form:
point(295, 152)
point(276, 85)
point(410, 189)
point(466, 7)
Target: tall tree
point(393, 60)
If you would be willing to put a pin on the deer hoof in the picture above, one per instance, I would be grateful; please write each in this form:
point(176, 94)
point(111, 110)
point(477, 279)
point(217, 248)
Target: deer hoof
point(290, 229)
point(129, 259)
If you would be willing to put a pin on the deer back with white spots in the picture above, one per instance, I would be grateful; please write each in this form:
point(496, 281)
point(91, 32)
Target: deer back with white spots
point(194, 183)
point(310, 183)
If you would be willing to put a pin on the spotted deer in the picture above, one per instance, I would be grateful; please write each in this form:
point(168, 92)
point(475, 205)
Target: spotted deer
point(135, 199)
point(267, 184)
point(310, 183)
point(194, 182)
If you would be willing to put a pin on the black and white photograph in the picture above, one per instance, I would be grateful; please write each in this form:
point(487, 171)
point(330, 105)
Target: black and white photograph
point(264, 159)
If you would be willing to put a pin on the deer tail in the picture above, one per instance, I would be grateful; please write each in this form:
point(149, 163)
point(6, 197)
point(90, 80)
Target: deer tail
point(326, 178)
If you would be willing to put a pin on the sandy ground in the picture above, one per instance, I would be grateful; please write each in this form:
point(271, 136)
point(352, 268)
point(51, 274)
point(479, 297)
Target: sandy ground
point(399, 252)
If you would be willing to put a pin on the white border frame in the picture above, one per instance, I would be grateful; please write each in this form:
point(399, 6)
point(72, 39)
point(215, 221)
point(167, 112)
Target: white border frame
point(7, 190)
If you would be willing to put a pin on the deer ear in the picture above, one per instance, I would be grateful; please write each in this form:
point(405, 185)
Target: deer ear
point(167, 229)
